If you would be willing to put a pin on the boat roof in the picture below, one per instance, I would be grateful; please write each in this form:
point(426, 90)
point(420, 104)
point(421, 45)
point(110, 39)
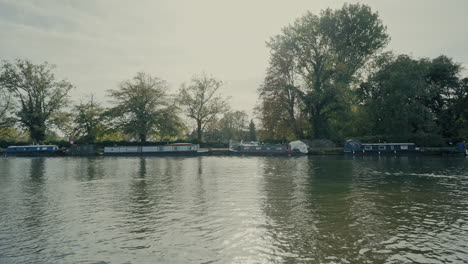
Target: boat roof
point(126, 146)
point(258, 144)
point(176, 144)
point(388, 144)
point(26, 146)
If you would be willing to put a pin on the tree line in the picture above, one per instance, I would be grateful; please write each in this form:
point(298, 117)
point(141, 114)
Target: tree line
point(329, 77)
point(142, 109)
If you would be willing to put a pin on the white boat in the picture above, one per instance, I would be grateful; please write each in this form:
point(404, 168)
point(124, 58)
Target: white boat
point(172, 149)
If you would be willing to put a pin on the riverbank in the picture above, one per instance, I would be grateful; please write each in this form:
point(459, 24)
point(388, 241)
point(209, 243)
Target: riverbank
point(339, 151)
point(227, 152)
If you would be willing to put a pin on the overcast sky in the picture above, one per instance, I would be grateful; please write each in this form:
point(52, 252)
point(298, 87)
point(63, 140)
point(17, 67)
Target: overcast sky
point(97, 44)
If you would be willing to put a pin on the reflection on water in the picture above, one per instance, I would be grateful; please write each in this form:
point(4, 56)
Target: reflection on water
point(234, 210)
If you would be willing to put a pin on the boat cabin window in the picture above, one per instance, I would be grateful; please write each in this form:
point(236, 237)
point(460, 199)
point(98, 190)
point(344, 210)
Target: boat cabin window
point(404, 146)
point(392, 147)
point(382, 147)
point(368, 147)
point(258, 148)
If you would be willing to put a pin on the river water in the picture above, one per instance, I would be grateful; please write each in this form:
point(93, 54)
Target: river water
point(319, 209)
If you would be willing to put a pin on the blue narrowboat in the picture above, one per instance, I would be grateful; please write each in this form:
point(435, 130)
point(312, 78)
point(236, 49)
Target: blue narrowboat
point(34, 150)
point(356, 147)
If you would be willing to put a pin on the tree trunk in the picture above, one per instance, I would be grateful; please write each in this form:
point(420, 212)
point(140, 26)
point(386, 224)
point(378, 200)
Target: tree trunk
point(298, 131)
point(199, 131)
point(293, 123)
point(37, 132)
point(319, 130)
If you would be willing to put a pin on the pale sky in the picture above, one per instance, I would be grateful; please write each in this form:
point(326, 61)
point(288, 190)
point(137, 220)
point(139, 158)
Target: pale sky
point(96, 44)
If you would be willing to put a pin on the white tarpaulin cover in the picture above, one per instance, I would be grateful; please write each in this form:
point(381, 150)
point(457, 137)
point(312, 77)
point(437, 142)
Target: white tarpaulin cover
point(299, 145)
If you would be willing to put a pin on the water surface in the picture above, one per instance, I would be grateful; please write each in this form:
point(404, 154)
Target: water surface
point(234, 210)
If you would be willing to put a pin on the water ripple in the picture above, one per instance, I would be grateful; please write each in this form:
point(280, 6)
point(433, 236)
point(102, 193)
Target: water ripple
point(234, 210)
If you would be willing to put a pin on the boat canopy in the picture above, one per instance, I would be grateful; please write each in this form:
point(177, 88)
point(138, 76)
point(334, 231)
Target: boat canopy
point(299, 145)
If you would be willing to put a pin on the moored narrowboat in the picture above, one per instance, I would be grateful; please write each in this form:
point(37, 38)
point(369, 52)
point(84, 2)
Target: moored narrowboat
point(356, 147)
point(173, 149)
point(292, 149)
point(34, 151)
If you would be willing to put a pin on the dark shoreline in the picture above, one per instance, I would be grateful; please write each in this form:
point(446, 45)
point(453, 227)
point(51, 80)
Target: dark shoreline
point(226, 152)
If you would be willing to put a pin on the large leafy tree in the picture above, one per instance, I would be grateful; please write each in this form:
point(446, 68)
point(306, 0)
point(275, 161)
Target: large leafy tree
point(448, 93)
point(201, 102)
point(5, 110)
point(88, 120)
point(406, 98)
point(63, 122)
point(328, 52)
point(395, 99)
point(37, 92)
point(462, 122)
point(7, 121)
point(234, 125)
point(280, 105)
point(144, 108)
